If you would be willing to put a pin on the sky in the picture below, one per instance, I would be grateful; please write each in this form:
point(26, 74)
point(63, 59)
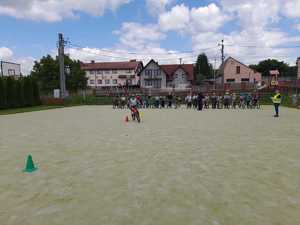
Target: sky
point(166, 30)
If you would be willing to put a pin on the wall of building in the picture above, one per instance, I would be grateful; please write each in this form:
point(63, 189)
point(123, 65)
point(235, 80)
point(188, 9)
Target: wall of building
point(111, 78)
point(298, 64)
point(153, 67)
point(10, 69)
point(230, 73)
point(180, 79)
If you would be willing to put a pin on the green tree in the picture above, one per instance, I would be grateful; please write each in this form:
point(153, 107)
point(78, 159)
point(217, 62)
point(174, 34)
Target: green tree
point(2, 93)
point(265, 66)
point(28, 92)
point(11, 92)
point(203, 68)
point(46, 73)
point(36, 92)
point(20, 93)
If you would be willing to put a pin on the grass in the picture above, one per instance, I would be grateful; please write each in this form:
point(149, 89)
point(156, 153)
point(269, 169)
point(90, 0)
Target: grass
point(27, 109)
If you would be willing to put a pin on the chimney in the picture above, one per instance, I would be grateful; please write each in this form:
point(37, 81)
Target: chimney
point(92, 61)
point(298, 64)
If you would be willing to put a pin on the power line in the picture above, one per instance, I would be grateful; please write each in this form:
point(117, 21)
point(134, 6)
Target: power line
point(147, 52)
point(270, 47)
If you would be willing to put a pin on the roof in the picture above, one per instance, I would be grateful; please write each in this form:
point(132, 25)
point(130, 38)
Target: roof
point(127, 65)
point(222, 67)
point(170, 69)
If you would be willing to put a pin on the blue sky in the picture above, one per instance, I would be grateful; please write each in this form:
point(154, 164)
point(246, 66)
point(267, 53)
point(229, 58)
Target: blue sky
point(107, 30)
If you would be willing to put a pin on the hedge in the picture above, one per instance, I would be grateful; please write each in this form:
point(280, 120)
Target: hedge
point(17, 93)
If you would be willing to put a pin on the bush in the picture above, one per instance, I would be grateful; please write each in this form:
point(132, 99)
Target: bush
point(11, 92)
point(28, 92)
point(52, 101)
point(2, 94)
point(18, 93)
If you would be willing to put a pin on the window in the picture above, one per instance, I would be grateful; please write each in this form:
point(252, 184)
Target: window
point(245, 80)
point(129, 82)
point(99, 81)
point(115, 71)
point(11, 72)
point(99, 72)
point(92, 72)
point(107, 71)
point(115, 81)
point(148, 83)
point(238, 70)
point(128, 71)
point(157, 83)
point(92, 82)
point(148, 73)
point(230, 80)
point(156, 73)
point(107, 81)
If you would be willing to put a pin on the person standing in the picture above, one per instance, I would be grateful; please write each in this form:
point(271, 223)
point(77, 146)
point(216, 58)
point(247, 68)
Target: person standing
point(170, 100)
point(200, 98)
point(227, 100)
point(276, 99)
point(188, 101)
point(214, 101)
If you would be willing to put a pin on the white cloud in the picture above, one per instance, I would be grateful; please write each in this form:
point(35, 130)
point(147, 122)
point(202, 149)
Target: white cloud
point(5, 53)
point(203, 19)
point(208, 18)
point(297, 26)
point(156, 7)
point(177, 19)
point(56, 10)
point(253, 14)
point(291, 8)
point(139, 36)
point(118, 54)
point(26, 64)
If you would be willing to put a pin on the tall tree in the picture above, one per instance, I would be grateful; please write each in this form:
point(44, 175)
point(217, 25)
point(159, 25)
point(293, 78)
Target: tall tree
point(2, 93)
point(35, 92)
point(265, 66)
point(11, 92)
point(20, 92)
point(28, 92)
point(46, 72)
point(203, 68)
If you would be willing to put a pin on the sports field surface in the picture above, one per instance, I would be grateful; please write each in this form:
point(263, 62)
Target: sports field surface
point(178, 167)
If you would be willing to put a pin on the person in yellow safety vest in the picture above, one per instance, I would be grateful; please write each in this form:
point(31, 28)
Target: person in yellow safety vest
point(276, 99)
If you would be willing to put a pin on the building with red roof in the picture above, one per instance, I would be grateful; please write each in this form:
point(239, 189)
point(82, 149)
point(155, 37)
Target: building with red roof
point(179, 76)
point(112, 74)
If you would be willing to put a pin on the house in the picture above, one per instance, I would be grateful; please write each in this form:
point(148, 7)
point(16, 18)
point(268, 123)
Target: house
point(158, 76)
point(179, 76)
point(233, 71)
point(298, 64)
point(10, 69)
point(112, 74)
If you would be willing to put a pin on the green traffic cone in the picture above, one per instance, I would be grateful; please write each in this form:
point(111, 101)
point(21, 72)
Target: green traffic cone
point(29, 165)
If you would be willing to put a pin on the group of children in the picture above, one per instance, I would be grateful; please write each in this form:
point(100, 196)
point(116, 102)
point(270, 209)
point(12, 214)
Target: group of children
point(193, 101)
point(227, 101)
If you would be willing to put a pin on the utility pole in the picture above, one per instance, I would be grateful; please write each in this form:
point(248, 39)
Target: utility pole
point(215, 68)
point(61, 54)
point(222, 52)
point(222, 58)
point(1, 68)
